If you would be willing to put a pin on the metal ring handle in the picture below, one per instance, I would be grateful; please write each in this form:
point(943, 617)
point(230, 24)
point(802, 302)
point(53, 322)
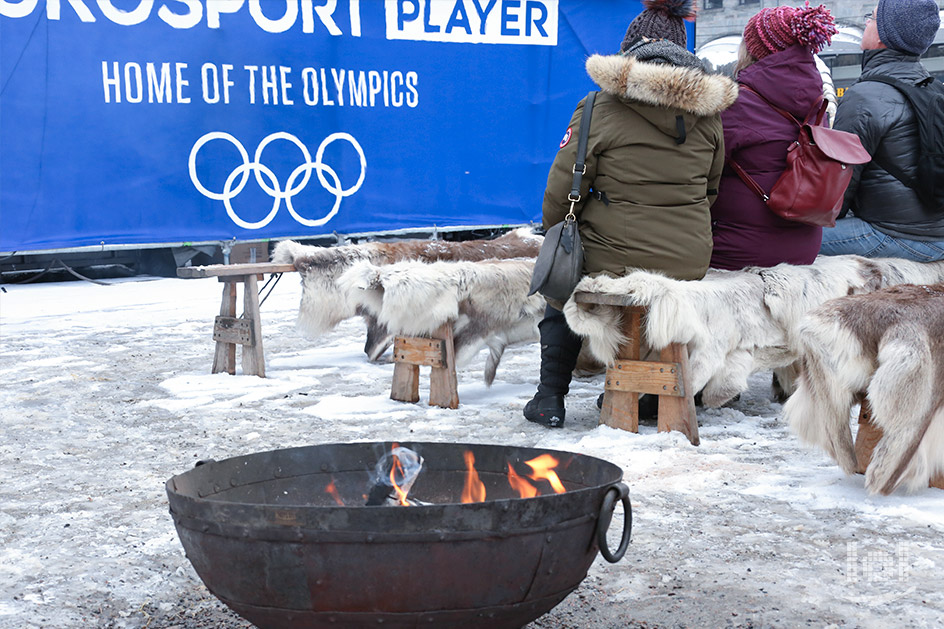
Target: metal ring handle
point(617, 491)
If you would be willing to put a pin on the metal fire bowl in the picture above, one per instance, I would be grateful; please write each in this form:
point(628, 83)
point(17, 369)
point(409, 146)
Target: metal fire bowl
point(271, 542)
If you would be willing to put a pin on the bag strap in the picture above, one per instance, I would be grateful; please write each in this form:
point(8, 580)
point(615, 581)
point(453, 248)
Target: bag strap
point(748, 180)
point(819, 112)
point(580, 166)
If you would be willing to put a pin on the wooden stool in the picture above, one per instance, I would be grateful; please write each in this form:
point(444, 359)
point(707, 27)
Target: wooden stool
point(670, 378)
point(230, 330)
point(437, 352)
point(867, 438)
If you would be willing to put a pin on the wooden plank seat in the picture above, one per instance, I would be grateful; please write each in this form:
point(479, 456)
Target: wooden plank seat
point(669, 378)
point(246, 329)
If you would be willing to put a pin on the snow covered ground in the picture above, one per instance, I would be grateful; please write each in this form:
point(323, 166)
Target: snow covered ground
point(106, 393)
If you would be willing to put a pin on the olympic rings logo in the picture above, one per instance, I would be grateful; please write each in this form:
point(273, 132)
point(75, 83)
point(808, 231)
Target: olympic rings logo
point(270, 183)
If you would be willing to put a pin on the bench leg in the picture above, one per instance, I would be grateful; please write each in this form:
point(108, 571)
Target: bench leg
point(225, 357)
point(253, 355)
point(406, 383)
point(443, 382)
point(868, 437)
point(621, 408)
point(246, 330)
point(678, 412)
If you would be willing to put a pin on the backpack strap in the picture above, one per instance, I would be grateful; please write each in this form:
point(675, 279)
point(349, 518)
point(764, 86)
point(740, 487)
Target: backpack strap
point(893, 169)
point(748, 180)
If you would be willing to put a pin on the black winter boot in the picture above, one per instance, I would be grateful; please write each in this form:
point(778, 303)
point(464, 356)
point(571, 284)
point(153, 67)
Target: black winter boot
point(559, 350)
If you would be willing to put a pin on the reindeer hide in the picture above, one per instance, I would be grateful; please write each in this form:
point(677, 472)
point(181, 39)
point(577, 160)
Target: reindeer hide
point(324, 303)
point(889, 344)
point(792, 291)
point(721, 319)
point(487, 301)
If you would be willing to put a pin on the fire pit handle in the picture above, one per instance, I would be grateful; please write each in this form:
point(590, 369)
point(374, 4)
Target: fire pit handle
point(618, 491)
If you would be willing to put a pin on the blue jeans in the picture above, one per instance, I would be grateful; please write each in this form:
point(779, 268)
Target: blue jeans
point(853, 235)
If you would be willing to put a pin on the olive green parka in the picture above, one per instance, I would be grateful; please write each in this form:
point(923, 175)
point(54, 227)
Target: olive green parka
point(655, 151)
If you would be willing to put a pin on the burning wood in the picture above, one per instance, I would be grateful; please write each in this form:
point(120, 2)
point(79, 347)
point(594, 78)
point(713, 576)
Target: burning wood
point(394, 476)
point(397, 470)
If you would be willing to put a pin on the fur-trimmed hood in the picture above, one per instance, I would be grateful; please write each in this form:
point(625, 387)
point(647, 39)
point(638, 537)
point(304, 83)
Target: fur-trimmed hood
point(662, 85)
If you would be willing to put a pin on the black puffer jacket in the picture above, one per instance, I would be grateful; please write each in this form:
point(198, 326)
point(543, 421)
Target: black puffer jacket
point(885, 122)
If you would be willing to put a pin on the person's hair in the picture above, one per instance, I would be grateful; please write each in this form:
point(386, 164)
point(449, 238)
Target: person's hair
point(745, 59)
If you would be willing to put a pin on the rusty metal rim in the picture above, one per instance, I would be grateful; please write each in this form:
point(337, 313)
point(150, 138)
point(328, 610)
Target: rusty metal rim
point(282, 457)
point(277, 533)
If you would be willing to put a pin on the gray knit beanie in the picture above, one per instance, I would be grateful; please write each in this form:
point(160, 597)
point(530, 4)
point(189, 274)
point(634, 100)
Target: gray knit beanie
point(908, 25)
point(663, 51)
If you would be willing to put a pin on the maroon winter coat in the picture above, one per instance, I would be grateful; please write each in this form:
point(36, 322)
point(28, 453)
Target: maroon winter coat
point(745, 231)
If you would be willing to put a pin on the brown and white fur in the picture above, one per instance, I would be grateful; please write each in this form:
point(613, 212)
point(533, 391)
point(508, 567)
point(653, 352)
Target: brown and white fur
point(736, 322)
point(325, 303)
point(792, 291)
point(487, 301)
point(889, 344)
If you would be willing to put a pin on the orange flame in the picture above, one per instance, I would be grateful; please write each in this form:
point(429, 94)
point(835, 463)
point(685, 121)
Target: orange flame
point(333, 492)
point(401, 495)
point(474, 490)
point(521, 485)
point(543, 467)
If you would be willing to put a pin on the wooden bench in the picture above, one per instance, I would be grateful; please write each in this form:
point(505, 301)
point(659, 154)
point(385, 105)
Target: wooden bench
point(437, 352)
point(669, 378)
point(246, 329)
point(868, 437)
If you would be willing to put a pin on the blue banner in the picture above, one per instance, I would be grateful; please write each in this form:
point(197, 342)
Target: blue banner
point(129, 122)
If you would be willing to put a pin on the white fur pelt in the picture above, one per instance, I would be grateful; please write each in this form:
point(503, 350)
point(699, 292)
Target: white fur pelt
point(737, 322)
point(487, 301)
point(889, 344)
point(325, 303)
point(896, 271)
point(720, 318)
point(791, 291)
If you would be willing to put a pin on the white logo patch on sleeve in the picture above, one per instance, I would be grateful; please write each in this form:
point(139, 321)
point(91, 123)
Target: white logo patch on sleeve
point(566, 139)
